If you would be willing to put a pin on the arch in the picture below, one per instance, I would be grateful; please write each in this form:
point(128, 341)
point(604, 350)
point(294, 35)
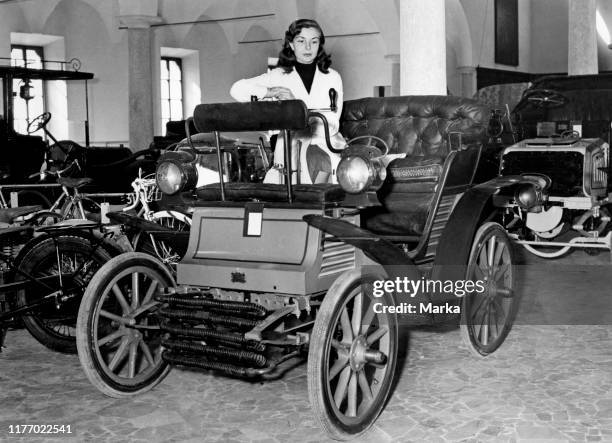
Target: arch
point(458, 33)
point(215, 59)
point(86, 37)
point(252, 59)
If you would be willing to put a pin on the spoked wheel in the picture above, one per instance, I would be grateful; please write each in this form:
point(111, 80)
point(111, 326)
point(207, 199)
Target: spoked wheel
point(487, 317)
point(352, 357)
point(73, 258)
point(169, 254)
point(118, 333)
point(545, 97)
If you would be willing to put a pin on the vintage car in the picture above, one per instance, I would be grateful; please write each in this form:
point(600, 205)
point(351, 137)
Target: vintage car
point(566, 120)
point(22, 156)
point(273, 273)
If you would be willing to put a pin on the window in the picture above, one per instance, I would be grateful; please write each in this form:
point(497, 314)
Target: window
point(171, 74)
point(26, 110)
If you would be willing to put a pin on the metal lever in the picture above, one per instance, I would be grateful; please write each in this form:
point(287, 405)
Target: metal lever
point(333, 100)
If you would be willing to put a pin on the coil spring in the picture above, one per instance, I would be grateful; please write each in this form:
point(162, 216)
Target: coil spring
point(207, 334)
point(195, 362)
point(185, 314)
point(230, 307)
point(242, 357)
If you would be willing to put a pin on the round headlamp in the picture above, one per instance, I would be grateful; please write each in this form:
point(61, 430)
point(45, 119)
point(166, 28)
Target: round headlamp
point(526, 196)
point(532, 195)
point(173, 176)
point(357, 173)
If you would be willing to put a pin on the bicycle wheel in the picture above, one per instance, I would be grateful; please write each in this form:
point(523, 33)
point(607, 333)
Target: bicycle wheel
point(53, 324)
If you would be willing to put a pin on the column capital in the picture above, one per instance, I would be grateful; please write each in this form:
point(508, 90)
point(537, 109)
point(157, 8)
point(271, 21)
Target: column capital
point(393, 58)
point(135, 21)
point(466, 69)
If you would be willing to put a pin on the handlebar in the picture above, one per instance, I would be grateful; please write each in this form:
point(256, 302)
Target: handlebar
point(58, 173)
point(323, 119)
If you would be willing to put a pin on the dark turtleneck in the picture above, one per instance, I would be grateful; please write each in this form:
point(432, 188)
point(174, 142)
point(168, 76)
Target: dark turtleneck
point(307, 73)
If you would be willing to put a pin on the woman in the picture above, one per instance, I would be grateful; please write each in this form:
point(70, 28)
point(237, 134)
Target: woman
point(302, 73)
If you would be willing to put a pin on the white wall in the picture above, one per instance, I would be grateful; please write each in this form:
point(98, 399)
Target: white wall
point(480, 16)
point(90, 31)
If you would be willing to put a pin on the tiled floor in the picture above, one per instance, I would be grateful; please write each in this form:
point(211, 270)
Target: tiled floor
point(547, 383)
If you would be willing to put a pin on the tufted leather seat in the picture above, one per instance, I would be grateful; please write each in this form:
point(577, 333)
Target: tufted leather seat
point(418, 126)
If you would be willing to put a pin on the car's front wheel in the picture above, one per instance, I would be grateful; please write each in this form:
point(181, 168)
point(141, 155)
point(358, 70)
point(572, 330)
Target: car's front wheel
point(352, 357)
point(487, 316)
point(118, 332)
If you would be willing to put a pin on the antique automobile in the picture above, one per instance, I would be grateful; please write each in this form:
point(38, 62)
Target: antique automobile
point(566, 120)
point(22, 156)
point(274, 273)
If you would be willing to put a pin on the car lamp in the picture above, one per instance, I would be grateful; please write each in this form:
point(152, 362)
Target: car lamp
point(174, 174)
point(357, 173)
point(531, 196)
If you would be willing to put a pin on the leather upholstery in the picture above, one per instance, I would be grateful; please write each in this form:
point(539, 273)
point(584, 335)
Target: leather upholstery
point(418, 126)
point(253, 116)
point(268, 192)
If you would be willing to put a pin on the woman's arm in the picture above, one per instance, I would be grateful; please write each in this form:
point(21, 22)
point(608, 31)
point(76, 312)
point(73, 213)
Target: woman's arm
point(243, 89)
point(261, 87)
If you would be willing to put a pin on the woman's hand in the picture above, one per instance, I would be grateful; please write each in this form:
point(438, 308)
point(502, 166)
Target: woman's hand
point(280, 93)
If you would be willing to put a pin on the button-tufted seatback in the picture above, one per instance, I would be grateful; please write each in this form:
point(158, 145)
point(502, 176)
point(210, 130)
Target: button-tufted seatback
point(416, 125)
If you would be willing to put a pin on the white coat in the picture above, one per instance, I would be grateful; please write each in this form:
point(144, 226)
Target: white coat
point(318, 98)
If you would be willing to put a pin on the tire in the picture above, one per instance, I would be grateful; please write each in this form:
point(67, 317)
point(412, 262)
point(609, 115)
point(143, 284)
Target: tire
point(53, 327)
point(168, 254)
point(104, 343)
point(338, 367)
point(28, 198)
point(487, 317)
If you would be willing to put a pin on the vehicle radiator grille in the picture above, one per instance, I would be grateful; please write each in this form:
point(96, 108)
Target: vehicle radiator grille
point(600, 175)
point(445, 208)
point(565, 169)
point(337, 257)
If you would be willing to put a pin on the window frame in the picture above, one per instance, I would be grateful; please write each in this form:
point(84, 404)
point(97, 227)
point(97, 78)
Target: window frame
point(40, 51)
point(166, 83)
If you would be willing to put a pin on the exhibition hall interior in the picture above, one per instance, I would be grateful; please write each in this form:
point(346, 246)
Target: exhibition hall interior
point(306, 220)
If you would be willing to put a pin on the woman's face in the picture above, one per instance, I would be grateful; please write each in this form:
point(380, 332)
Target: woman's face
point(305, 45)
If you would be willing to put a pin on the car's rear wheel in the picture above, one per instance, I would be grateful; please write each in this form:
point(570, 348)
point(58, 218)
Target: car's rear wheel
point(352, 357)
point(118, 332)
point(487, 315)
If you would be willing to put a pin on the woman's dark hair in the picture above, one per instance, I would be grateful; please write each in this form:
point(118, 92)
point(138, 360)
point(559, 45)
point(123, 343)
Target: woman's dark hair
point(286, 57)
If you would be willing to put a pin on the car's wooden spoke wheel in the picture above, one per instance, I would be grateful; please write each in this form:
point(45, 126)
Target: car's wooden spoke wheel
point(487, 316)
point(118, 333)
point(352, 357)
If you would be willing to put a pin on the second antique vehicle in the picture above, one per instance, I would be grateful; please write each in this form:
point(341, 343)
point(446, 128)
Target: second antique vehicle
point(23, 156)
point(567, 121)
point(274, 273)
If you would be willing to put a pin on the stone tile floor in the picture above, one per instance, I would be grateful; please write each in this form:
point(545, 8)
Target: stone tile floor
point(546, 383)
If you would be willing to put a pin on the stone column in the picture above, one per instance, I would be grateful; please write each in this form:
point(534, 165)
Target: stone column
point(422, 47)
point(140, 83)
point(395, 73)
point(467, 80)
point(582, 38)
